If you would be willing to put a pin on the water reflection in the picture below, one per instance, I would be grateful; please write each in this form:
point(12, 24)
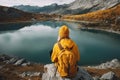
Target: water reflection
point(13, 26)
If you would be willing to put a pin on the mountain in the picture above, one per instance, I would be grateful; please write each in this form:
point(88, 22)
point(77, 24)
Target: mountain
point(76, 7)
point(28, 8)
point(93, 4)
point(84, 6)
point(105, 20)
point(11, 14)
point(46, 9)
point(109, 15)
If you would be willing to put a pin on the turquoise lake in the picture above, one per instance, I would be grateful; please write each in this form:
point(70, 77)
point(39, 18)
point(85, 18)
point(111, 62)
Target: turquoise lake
point(33, 41)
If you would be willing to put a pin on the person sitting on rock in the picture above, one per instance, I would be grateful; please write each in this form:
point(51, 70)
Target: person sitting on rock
point(65, 54)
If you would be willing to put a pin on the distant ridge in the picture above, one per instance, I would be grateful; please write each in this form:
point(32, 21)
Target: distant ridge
point(9, 14)
point(76, 7)
point(12, 14)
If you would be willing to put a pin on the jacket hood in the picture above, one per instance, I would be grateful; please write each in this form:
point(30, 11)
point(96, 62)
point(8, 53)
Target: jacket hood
point(64, 32)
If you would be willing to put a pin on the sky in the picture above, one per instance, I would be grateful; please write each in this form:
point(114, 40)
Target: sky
point(33, 2)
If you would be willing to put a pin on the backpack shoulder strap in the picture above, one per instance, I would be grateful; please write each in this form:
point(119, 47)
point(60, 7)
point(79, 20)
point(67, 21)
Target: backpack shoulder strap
point(60, 46)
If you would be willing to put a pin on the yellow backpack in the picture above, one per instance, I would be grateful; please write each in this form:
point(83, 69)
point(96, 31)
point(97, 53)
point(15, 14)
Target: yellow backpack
point(66, 62)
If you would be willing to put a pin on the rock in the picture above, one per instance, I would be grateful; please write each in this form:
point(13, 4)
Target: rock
point(26, 64)
point(96, 78)
point(117, 21)
point(50, 70)
point(19, 62)
point(4, 57)
point(23, 74)
point(115, 63)
point(109, 76)
point(1, 66)
point(11, 61)
point(30, 74)
point(2, 78)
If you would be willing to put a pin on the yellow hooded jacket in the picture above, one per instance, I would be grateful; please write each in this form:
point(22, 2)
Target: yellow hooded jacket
point(65, 42)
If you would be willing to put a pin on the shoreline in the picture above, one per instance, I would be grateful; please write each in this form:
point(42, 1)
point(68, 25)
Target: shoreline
point(82, 23)
point(9, 59)
point(98, 29)
point(17, 22)
point(85, 25)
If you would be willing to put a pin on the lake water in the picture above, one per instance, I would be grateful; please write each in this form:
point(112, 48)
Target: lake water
point(33, 41)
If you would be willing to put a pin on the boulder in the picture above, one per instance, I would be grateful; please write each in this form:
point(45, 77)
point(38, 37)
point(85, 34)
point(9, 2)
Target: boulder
point(96, 78)
point(19, 62)
point(109, 76)
point(1, 66)
point(14, 60)
point(26, 64)
point(30, 74)
point(4, 57)
point(11, 61)
point(50, 71)
point(113, 64)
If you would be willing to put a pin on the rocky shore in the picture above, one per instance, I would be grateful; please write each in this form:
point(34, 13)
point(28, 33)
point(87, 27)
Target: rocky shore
point(110, 70)
point(106, 28)
point(96, 25)
point(14, 68)
point(101, 29)
point(113, 64)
